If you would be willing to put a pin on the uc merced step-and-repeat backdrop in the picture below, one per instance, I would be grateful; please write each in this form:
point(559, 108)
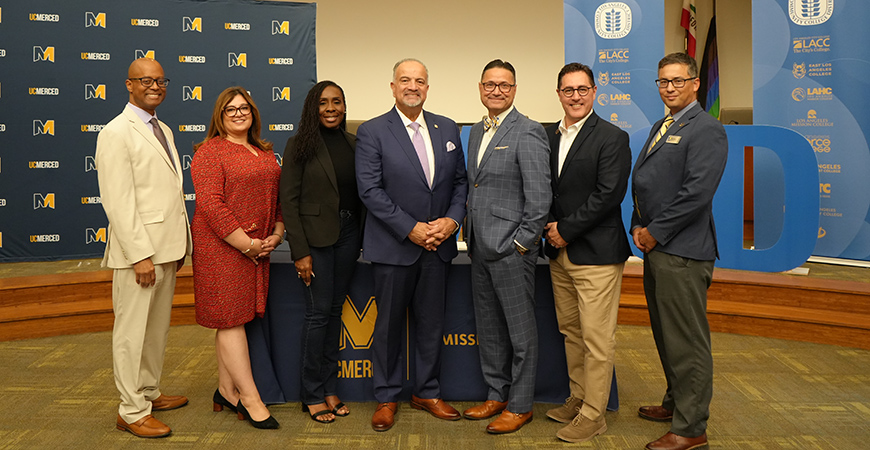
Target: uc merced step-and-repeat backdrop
point(63, 69)
point(810, 66)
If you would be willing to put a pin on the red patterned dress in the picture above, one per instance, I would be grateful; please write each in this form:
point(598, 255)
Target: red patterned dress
point(234, 189)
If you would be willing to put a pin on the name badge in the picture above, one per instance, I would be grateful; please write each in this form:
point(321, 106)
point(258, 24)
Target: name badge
point(673, 139)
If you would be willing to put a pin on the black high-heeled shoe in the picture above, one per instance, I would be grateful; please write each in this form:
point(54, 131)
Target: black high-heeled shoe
point(220, 402)
point(267, 424)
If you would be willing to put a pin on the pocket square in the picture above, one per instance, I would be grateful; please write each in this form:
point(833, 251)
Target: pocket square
point(501, 148)
point(450, 146)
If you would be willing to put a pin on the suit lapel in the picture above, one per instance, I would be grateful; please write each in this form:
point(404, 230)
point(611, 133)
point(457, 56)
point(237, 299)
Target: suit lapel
point(500, 133)
point(474, 139)
point(672, 130)
point(399, 131)
point(140, 127)
point(584, 133)
point(438, 146)
point(325, 160)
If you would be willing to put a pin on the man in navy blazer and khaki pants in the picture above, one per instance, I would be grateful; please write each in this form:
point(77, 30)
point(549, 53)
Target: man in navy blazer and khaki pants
point(411, 176)
point(590, 161)
point(509, 197)
point(674, 180)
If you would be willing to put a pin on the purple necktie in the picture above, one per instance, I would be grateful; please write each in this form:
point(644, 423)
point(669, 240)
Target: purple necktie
point(420, 147)
point(158, 133)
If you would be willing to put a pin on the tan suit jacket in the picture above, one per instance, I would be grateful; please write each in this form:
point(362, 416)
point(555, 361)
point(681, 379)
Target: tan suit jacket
point(141, 194)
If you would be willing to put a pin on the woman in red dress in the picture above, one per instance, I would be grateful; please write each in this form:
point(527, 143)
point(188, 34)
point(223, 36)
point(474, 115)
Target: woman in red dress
point(237, 223)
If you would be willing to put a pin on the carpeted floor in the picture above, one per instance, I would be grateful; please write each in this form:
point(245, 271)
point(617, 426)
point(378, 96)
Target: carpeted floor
point(769, 394)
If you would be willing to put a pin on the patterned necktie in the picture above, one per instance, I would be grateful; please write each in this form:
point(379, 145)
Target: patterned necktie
point(420, 147)
point(664, 129)
point(158, 133)
point(490, 123)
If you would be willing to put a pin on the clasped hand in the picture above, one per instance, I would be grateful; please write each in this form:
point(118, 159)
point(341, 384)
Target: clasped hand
point(430, 235)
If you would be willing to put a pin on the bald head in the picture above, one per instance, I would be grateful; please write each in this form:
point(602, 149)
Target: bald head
point(141, 72)
point(141, 65)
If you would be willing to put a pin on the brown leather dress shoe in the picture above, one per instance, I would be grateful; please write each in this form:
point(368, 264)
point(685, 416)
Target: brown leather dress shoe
point(673, 441)
point(508, 422)
point(382, 419)
point(437, 407)
point(146, 427)
point(655, 413)
point(167, 402)
point(486, 410)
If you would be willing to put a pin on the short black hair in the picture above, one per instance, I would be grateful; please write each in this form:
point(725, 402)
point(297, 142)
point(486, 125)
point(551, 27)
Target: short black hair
point(680, 58)
point(499, 64)
point(574, 67)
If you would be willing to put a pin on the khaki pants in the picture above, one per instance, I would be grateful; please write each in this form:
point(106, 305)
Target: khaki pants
point(587, 304)
point(139, 337)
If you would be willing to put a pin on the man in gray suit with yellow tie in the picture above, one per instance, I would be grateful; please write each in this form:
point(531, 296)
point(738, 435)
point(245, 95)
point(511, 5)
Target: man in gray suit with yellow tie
point(674, 180)
point(508, 201)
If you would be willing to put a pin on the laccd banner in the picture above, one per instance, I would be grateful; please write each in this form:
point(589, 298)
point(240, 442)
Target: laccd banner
point(64, 65)
point(810, 61)
point(622, 42)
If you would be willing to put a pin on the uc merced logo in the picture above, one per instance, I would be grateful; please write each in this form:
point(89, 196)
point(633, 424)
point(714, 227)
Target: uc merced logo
point(613, 20)
point(810, 12)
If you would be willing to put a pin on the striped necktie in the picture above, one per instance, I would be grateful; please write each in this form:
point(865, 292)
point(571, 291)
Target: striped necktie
point(664, 129)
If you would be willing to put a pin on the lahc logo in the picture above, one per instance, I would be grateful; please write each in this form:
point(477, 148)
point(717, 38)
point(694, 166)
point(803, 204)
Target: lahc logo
point(191, 24)
point(95, 20)
point(40, 127)
point(191, 93)
point(43, 54)
point(98, 91)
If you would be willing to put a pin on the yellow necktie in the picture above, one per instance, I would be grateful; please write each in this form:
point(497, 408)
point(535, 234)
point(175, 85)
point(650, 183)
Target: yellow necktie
point(664, 129)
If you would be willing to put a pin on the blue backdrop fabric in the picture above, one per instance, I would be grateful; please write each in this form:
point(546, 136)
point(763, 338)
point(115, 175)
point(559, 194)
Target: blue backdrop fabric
point(64, 65)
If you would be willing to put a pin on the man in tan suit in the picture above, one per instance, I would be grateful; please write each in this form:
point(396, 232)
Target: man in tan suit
point(140, 182)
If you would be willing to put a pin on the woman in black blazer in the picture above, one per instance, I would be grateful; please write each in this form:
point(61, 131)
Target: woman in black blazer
point(322, 213)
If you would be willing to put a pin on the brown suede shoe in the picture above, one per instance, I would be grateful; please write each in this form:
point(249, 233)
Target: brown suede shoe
point(436, 407)
point(382, 419)
point(673, 441)
point(508, 422)
point(655, 413)
point(567, 412)
point(146, 427)
point(486, 410)
point(167, 402)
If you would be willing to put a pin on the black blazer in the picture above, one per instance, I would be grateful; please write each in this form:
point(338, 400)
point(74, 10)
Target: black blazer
point(588, 193)
point(309, 199)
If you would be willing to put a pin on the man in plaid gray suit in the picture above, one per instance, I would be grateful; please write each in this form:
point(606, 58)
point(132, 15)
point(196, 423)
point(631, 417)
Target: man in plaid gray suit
point(508, 200)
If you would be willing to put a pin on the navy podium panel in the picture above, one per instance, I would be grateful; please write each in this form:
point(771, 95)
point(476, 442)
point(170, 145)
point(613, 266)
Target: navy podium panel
point(274, 341)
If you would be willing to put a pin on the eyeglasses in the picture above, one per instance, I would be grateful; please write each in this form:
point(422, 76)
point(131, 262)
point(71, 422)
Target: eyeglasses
point(231, 111)
point(677, 82)
point(503, 87)
point(582, 90)
point(148, 81)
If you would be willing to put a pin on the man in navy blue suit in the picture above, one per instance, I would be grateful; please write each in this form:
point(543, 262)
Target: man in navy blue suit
point(410, 171)
point(674, 180)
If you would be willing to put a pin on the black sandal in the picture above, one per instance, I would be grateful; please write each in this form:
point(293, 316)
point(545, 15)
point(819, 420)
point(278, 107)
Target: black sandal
point(315, 416)
point(339, 406)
